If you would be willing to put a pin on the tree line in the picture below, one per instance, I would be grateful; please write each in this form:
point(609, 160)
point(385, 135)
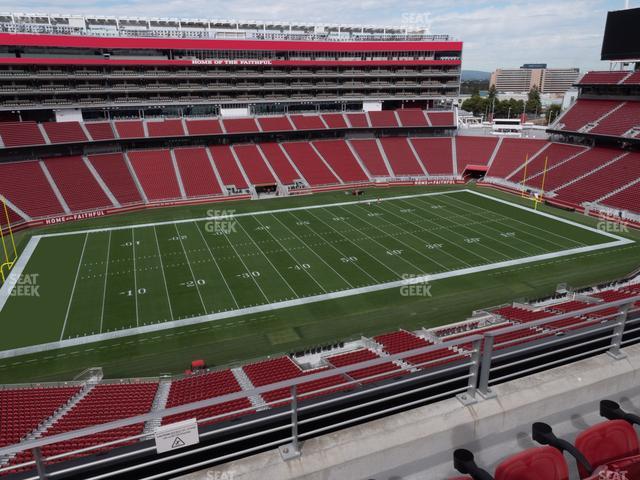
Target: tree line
point(491, 105)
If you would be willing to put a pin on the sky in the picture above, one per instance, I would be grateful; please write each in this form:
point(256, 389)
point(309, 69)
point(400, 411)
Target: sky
point(496, 33)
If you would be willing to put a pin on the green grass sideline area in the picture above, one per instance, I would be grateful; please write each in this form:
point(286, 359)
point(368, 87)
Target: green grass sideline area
point(144, 269)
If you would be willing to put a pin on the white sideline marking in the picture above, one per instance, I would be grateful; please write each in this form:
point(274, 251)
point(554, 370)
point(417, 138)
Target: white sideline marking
point(164, 277)
point(233, 297)
point(553, 217)
point(263, 212)
point(106, 277)
point(75, 282)
point(135, 276)
point(476, 231)
point(5, 291)
point(193, 275)
point(16, 271)
point(302, 301)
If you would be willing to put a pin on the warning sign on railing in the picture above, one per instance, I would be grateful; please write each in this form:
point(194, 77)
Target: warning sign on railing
point(176, 435)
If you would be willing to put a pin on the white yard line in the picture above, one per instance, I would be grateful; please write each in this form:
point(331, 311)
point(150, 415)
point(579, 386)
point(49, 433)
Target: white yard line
point(473, 235)
point(195, 280)
point(431, 232)
point(312, 250)
point(246, 268)
point(295, 260)
point(392, 237)
point(73, 289)
point(450, 229)
point(544, 231)
point(553, 217)
point(106, 277)
point(26, 255)
point(306, 300)
point(398, 275)
point(135, 276)
point(164, 277)
point(403, 243)
point(267, 259)
point(497, 240)
point(340, 252)
point(501, 221)
point(224, 279)
point(338, 204)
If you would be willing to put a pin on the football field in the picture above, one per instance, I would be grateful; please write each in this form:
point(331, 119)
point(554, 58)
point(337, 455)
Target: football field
point(81, 287)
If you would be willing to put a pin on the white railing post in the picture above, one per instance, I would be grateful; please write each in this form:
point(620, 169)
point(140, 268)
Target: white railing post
point(37, 456)
point(292, 450)
point(469, 397)
point(485, 367)
point(618, 331)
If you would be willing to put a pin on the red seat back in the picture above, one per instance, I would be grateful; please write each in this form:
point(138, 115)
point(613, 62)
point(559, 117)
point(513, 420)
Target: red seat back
point(534, 464)
point(607, 442)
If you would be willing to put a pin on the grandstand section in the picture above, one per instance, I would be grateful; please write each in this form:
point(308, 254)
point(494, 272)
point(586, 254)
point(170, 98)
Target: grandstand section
point(109, 182)
point(206, 67)
point(402, 160)
point(474, 152)
point(436, 155)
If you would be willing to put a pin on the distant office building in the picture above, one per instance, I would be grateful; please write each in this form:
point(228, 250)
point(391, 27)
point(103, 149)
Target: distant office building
point(523, 79)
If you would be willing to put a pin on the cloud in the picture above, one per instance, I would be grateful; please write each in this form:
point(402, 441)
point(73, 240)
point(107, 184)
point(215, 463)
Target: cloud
point(497, 33)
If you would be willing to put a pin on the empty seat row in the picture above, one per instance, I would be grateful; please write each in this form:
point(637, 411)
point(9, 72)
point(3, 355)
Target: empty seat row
point(14, 134)
point(55, 186)
point(202, 386)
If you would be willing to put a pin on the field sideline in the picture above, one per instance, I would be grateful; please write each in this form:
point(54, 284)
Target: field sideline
point(313, 259)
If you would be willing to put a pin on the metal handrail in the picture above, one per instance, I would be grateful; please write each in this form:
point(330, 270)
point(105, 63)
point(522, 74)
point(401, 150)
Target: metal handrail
point(228, 397)
point(615, 322)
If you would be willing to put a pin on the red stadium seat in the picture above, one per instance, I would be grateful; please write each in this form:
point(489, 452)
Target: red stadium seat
point(337, 154)
point(534, 464)
point(401, 157)
point(310, 164)
point(539, 463)
point(371, 157)
point(441, 119)
point(607, 442)
point(64, 132)
point(474, 150)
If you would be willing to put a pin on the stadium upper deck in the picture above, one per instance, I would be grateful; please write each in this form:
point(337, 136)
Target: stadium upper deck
point(51, 62)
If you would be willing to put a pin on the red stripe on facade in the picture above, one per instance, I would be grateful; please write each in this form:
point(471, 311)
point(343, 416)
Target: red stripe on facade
point(76, 41)
point(214, 63)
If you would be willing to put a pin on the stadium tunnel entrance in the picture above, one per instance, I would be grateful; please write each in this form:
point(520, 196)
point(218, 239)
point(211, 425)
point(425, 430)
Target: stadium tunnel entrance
point(474, 172)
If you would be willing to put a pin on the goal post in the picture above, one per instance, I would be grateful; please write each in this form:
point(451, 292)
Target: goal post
point(8, 243)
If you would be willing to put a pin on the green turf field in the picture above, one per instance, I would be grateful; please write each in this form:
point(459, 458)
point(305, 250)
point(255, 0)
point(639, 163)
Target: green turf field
point(145, 293)
point(97, 282)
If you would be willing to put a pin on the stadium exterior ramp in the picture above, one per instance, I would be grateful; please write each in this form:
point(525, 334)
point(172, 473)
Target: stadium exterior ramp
point(418, 444)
